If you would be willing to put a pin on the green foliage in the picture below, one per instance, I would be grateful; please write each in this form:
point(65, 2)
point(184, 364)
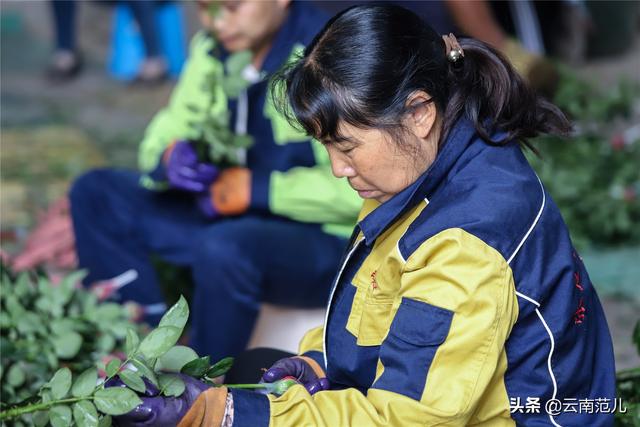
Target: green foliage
point(45, 326)
point(593, 175)
point(628, 389)
point(175, 359)
point(220, 368)
point(86, 401)
point(216, 142)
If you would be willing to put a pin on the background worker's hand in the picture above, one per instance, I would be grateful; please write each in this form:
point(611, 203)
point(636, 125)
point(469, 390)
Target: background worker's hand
point(185, 171)
point(539, 71)
point(304, 369)
point(230, 194)
point(157, 410)
point(52, 242)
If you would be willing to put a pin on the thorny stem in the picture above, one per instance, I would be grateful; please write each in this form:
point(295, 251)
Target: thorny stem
point(22, 410)
point(248, 386)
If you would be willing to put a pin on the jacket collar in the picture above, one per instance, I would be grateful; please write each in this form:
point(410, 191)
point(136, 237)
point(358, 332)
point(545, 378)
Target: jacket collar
point(375, 223)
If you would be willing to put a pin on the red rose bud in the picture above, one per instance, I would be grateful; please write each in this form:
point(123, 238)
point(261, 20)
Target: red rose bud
point(617, 142)
point(629, 194)
point(280, 387)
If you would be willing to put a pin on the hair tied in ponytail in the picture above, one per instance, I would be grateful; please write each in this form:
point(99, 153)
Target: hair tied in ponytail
point(453, 50)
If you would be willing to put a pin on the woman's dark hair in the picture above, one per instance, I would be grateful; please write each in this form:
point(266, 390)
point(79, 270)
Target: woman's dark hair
point(365, 63)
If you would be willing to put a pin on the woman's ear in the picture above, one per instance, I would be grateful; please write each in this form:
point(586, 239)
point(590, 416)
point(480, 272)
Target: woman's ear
point(422, 116)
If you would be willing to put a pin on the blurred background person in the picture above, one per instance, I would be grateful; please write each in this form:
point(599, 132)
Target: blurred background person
point(66, 60)
point(268, 223)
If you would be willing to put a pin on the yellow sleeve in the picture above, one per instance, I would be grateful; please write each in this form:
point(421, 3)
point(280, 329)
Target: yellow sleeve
point(442, 361)
point(312, 340)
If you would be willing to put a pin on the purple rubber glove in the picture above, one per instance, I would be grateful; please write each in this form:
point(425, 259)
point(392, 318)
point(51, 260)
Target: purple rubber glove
point(301, 370)
point(185, 172)
point(156, 410)
point(203, 200)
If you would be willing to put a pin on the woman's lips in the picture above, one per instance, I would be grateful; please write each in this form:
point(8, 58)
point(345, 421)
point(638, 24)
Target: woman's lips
point(366, 194)
point(228, 40)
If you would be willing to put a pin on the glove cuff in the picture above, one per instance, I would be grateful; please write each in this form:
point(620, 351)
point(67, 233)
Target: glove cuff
point(314, 365)
point(207, 410)
point(167, 152)
point(231, 192)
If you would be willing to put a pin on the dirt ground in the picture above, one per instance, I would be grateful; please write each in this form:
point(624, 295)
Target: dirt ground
point(51, 133)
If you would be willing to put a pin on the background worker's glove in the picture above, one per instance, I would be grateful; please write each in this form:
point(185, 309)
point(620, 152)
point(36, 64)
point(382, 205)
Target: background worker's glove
point(539, 71)
point(184, 170)
point(303, 369)
point(160, 411)
point(230, 194)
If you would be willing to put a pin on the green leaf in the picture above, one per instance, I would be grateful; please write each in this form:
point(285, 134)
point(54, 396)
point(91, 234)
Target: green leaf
point(109, 312)
point(45, 393)
point(85, 414)
point(85, 383)
point(244, 141)
point(174, 359)
point(22, 285)
point(236, 62)
point(70, 281)
point(131, 342)
point(145, 371)
point(220, 368)
point(105, 343)
point(196, 368)
point(60, 416)
point(41, 418)
point(118, 328)
point(177, 315)
point(67, 345)
point(60, 383)
point(105, 421)
point(15, 375)
point(159, 341)
point(61, 326)
point(133, 380)
point(5, 320)
point(171, 385)
point(29, 322)
point(116, 400)
point(112, 367)
point(13, 306)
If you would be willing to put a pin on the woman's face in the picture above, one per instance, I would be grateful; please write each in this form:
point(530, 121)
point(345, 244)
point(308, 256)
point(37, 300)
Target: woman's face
point(242, 24)
point(379, 167)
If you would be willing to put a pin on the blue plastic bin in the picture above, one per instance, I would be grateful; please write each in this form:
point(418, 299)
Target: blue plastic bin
point(127, 46)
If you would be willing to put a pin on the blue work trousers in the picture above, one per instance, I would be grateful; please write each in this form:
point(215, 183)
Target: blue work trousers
point(236, 262)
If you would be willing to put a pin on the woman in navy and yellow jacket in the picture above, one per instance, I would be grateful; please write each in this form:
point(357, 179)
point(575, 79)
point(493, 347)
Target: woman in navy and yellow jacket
point(461, 300)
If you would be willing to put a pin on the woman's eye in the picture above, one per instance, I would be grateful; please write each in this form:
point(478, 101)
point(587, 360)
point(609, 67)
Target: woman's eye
point(346, 148)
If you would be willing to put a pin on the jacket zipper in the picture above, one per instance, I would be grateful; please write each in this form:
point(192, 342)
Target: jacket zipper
point(335, 286)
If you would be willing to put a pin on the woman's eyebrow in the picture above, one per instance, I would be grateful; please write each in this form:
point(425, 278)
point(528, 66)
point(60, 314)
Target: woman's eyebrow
point(339, 139)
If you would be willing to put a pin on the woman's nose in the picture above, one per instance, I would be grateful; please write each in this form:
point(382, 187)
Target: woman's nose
point(340, 165)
